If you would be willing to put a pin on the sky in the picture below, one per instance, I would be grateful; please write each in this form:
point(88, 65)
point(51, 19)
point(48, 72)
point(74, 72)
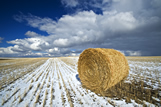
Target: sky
point(53, 28)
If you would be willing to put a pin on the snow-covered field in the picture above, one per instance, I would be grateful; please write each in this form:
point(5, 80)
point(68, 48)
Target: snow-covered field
point(54, 84)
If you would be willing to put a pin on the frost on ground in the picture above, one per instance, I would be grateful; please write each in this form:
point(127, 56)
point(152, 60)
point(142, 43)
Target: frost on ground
point(13, 69)
point(54, 84)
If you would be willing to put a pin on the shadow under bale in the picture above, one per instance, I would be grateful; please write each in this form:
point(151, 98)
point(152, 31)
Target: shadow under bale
point(138, 91)
point(77, 77)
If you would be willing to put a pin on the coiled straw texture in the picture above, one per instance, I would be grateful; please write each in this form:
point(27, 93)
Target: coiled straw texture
point(100, 69)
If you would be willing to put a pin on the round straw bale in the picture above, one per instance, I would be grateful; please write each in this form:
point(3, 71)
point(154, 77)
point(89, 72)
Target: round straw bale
point(100, 69)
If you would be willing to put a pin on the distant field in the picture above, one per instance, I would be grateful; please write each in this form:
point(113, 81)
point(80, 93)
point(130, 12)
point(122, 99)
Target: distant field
point(52, 82)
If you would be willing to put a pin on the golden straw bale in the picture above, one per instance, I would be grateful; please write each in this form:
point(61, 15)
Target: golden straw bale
point(100, 69)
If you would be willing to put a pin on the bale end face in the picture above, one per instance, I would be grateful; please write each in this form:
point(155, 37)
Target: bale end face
point(100, 69)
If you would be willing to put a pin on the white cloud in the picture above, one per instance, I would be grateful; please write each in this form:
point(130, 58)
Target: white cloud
point(70, 3)
point(85, 26)
point(17, 48)
point(30, 43)
point(35, 46)
point(39, 54)
point(31, 54)
point(32, 34)
point(61, 42)
point(73, 54)
point(54, 50)
point(7, 50)
point(115, 21)
point(134, 53)
point(120, 21)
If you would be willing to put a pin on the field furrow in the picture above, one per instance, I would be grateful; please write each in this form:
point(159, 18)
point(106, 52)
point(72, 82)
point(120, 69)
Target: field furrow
point(54, 83)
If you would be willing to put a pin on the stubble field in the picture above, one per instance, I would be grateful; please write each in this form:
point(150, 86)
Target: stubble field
point(52, 82)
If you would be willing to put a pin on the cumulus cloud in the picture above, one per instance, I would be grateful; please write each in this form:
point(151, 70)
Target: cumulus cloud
point(7, 50)
point(54, 50)
point(61, 42)
point(32, 34)
point(28, 44)
point(132, 27)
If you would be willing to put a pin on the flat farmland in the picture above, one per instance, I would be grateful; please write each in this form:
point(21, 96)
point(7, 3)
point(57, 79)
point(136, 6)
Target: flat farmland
point(53, 82)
